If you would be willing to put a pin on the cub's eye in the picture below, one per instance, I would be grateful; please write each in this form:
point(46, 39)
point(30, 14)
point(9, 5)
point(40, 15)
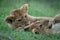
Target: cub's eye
point(19, 20)
point(25, 16)
point(41, 26)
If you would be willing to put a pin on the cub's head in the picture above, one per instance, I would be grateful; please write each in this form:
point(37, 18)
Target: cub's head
point(45, 26)
point(39, 26)
point(18, 17)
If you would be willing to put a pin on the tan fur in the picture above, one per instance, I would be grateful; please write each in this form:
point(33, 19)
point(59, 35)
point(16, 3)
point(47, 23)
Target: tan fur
point(56, 25)
point(19, 18)
point(54, 30)
point(57, 18)
point(44, 29)
point(39, 26)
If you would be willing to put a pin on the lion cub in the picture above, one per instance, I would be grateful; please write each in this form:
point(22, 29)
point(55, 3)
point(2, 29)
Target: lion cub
point(20, 18)
point(56, 25)
point(45, 26)
point(39, 26)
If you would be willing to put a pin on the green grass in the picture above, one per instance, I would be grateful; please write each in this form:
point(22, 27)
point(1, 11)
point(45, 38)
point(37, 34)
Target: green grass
point(36, 8)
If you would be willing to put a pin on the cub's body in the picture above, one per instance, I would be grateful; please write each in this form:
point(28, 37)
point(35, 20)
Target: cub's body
point(19, 18)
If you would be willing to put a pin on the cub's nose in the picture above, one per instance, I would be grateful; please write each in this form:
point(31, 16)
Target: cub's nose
point(9, 20)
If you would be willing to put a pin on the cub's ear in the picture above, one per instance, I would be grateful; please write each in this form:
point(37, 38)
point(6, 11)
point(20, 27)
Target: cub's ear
point(56, 21)
point(15, 12)
point(24, 8)
point(9, 19)
point(57, 18)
